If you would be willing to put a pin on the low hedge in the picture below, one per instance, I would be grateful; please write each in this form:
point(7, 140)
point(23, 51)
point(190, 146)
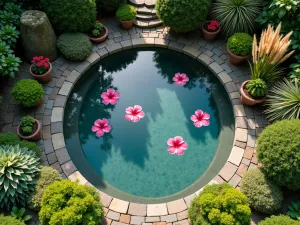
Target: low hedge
point(9, 220)
point(279, 220)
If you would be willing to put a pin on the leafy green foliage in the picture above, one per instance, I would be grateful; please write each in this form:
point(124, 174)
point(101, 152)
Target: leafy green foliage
point(294, 75)
point(13, 139)
point(70, 15)
point(126, 13)
point(74, 46)
point(9, 220)
point(68, 203)
point(27, 123)
point(240, 44)
point(278, 149)
point(9, 34)
point(19, 214)
point(28, 92)
point(14, 9)
point(97, 29)
point(9, 64)
point(19, 168)
point(4, 49)
point(294, 210)
point(237, 15)
point(257, 88)
point(220, 204)
point(279, 220)
point(47, 177)
point(263, 195)
point(283, 101)
point(9, 19)
point(182, 15)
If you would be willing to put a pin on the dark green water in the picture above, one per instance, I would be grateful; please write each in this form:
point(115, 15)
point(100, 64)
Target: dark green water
point(133, 157)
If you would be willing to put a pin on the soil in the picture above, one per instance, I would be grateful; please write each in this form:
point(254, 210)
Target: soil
point(101, 34)
point(34, 129)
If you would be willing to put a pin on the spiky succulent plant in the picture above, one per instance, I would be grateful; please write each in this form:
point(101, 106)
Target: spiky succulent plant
point(257, 88)
point(19, 169)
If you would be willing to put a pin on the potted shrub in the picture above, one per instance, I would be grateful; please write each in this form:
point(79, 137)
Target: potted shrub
point(239, 47)
point(29, 129)
point(41, 69)
point(28, 93)
point(210, 29)
point(126, 14)
point(253, 91)
point(99, 33)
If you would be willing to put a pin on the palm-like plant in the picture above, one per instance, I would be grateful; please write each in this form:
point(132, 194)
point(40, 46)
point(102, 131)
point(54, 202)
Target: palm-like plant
point(237, 15)
point(283, 101)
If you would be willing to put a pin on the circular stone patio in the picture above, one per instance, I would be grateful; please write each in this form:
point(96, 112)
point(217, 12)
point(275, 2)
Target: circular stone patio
point(249, 121)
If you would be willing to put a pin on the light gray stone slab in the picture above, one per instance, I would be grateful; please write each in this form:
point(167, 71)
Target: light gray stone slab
point(113, 215)
point(126, 44)
point(182, 222)
point(205, 59)
point(114, 48)
point(239, 110)
point(161, 42)
point(188, 50)
point(68, 168)
point(73, 76)
point(119, 205)
point(66, 88)
point(157, 209)
point(176, 206)
point(76, 176)
point(93, 58)
point(83, 66)
point(216, 67)
point(137, 209)
point(137, 220)
point(224, 77)
point(62, 155)
point(236, 155)
point(228, 171)
point(169, 218)
point(241, 134)
point(58, 141)
point(57, 114)
point(105, 199)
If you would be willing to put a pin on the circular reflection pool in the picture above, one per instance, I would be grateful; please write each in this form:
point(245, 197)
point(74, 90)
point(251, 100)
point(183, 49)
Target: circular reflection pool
point(132, 161)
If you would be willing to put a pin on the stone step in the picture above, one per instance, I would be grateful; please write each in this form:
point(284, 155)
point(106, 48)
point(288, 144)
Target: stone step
point(147, 24)
point(145, 10)
point(143, 3)
point(145, 16)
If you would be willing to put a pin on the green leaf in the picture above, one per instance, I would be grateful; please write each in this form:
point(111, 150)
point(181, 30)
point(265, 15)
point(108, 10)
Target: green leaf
point(281, 13)
point(27, 218)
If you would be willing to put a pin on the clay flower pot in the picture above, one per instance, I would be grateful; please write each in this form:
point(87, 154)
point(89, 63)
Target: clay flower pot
point(209, 35)
point(126, 25)
point(44, 78)
point(102, 38)
point(35, 136)
point(247, 99)
point(236, 59)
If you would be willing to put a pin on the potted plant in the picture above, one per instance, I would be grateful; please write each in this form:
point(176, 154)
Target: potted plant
point(29, 129)
point(98, 34)
point(41, 69)
point(239, 47)
point(126, 14)
point(210, 29)
point(253, 91)
point(28, 93)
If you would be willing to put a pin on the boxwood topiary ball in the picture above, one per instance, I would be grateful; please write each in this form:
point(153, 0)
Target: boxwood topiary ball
point(182, 15)
point(74, 46)
point(263, 195)
point(240, 44)
point(278, 149)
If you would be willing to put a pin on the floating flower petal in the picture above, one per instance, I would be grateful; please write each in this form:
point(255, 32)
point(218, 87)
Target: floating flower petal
point(110, 96)
point(101, 127)
point(200, 118)
point(134, 114)
point(180, 79)
point(177, 145)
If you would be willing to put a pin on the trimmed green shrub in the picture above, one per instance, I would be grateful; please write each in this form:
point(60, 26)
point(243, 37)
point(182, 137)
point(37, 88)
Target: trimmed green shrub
point(240, 44)
point(28, 92)
point(279, 220)
point(46, 178)
point(263, 195)
point(182, 15)
point(19, 169)
point(13, 139)
point(9, 220)
point(69, 203)
point(74, 46)
point(126, 13)
point(26, 124)
point(220, 204)
point(9, 64)
point(257, 88)
point(278, 149)
point(70, 15)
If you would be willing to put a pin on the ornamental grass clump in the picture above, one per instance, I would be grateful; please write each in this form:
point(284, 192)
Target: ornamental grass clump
point(19, 169)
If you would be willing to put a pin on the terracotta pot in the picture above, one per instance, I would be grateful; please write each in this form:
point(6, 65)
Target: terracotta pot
point(247, 99)
point(126, 25)
point(209, 35)
point(235, 59)
point(44, 78)
point(98, 40)
point(33, 137)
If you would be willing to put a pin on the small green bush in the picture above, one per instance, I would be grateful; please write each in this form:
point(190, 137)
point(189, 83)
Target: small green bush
point(74, 46)
point(278, 149)
point(279, 220)
point(9, 34)
point(9, 220)
point(240, 44)
point(126, 13)
point(220, 204)
point(257, 88)
point(46, 178)
point(70, 15)
point(9, 64)
point(182, 15)
point(13, 139)
point(68, 203)
point(26, 125)
point(28, 92)
point(263, 195)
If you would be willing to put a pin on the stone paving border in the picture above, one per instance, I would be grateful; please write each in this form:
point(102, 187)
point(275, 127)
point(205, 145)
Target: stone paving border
point(249, 121)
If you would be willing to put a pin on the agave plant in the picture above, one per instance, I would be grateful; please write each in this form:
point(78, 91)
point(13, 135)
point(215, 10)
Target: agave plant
point(237, 15)
point(294, 210)
point(9, 64)
point(19, 169)
point(257, 88)
point(283, 101)
point(9, 34)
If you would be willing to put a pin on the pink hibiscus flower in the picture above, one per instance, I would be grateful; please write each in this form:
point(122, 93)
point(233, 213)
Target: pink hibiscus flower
point(177, 145)
point(134, 114)
point(110, 97)
point(200, 118)
point(180, 79)
point(101, 127)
